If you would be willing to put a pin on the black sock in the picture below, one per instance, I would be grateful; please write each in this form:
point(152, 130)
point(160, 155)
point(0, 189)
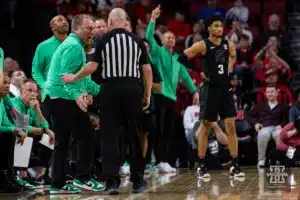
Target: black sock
point(201, 161)
point(235, 161)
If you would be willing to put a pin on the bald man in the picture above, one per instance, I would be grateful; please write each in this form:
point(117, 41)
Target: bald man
point(124, 63)
point(44, 51)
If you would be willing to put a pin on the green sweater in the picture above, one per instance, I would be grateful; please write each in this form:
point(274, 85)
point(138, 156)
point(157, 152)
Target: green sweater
point(34, 121)
point(1, 58)
point(69, 58)
point(5, 124)
point(168, 66)
point(42, 59)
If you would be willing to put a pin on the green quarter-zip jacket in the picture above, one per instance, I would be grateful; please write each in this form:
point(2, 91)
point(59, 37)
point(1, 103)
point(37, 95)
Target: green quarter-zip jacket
point(1, 58)
point(41, 60)
point(69, 58)
point(34, 120)
point(168, 66)
point(5, 124)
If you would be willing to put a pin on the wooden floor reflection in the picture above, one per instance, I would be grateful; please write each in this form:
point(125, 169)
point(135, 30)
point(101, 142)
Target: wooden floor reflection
point(258, 184)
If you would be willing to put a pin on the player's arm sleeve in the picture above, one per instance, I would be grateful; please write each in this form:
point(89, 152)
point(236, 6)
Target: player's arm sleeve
point(70, 62)
point(187, 80)
point(1, 59)
point(154, 47)
point(92, 87)
point(186, 56)
point(37, 67)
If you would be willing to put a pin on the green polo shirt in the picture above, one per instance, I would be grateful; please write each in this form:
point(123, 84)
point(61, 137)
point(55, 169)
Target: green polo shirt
point(34, 121)
point(69, 58)
point(42, 59)
point(1, 58)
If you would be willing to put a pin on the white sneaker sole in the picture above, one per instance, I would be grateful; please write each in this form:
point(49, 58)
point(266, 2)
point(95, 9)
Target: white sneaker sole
point(88, 188)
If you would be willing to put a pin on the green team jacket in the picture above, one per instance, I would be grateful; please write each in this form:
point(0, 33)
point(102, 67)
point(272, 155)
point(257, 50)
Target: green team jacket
point(168, 66)
point(34, 121)
point(41, 60)
point(1, 59)
point(69, 58)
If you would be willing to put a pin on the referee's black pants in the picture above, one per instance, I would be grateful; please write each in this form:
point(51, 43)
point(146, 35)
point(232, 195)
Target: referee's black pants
point(120, 109)
point(67, 118)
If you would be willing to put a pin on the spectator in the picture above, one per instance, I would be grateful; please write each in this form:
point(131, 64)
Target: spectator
point(284, 96)
point(289, 138)
point(237, 30)
point(211, 9)
point(179, 27)
point(17, 78)
point(197, 29)
point(141, 30)
point(268, 118)
point(244, 53)
point(238, 11)
point(272, 31)
point(294, 112)
point(100, 27)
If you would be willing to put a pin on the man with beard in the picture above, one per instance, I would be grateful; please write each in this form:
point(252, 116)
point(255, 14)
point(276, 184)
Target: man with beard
point(45, 50)
point(219, 56)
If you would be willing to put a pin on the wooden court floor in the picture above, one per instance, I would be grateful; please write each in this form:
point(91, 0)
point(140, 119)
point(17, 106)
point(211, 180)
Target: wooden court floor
point(259, 184)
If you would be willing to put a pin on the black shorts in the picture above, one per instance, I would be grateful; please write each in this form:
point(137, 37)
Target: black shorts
point(216, 101)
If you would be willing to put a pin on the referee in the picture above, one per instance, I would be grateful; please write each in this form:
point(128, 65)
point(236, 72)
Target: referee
point(120, 54)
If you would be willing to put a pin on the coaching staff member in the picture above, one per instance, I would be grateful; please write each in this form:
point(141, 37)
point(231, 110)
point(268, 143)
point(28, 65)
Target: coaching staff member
point(66, 103)
point(120, 54)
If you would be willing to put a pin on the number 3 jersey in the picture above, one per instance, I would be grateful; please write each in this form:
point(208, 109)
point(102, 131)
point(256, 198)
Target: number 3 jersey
point(215, 62)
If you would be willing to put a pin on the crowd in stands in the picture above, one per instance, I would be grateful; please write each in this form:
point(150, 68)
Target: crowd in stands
point(264, 100)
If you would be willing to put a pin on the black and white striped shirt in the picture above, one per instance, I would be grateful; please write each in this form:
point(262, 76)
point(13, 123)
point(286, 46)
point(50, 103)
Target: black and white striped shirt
point(120, 54)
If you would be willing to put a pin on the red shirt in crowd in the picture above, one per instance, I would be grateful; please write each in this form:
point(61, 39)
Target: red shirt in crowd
point(285, 141)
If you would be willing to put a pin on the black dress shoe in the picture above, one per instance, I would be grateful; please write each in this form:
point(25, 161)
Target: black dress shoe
point(139, 186)
point(112, 186)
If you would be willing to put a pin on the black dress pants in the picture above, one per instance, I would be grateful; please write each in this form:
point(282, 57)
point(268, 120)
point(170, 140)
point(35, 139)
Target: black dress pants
point(68, 120)
point(165, 117)
point(120, 108)
point(7, 146)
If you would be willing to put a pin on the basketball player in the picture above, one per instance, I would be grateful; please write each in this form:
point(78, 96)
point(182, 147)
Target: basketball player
point(219, 56)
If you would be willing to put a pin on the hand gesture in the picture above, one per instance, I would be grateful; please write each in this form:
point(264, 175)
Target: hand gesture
point(196, 98)
point(34, 104)
point(51, 136)
point(155, 13)
point(146, 103)
point(22, 135)
point(68, 78)
point(258, 126)
point(81, 102)
point(89, 100)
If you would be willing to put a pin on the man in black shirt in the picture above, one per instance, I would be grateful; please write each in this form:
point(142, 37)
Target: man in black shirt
point(124, 62)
